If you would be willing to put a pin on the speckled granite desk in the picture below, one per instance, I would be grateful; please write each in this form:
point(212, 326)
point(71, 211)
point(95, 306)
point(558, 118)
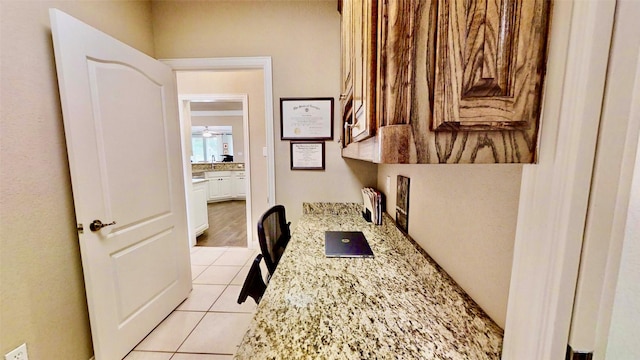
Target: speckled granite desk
point(398, 305)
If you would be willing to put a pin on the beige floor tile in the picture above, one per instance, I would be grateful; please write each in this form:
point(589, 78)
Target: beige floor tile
point(228, 302)
point(239, 279)
point(144, 355)
point(206, 255)
point(235, 257)
point(220, 275)
point(201, 357)
point(217, 333)
point(171, 332)
point(202, 297)
point(197, 270)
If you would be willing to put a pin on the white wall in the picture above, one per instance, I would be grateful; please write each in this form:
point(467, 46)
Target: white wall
point(625, 332)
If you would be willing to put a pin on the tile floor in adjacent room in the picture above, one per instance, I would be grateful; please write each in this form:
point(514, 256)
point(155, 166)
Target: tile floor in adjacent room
point(209, 324)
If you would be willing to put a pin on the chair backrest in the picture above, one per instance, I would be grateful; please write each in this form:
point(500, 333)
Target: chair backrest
point(253, 285)
point(273, 235)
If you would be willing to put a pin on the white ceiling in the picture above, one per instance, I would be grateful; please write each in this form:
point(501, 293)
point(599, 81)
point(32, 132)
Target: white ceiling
point(197, 130)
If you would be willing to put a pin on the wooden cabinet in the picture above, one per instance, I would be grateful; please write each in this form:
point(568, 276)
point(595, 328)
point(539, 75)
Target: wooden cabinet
point(199, 214)
point(358, 69)
point(456, 81)
point(489, 65)
point(346, 65)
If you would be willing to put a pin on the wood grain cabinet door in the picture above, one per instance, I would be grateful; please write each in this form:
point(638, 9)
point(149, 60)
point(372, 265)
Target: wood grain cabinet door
point(490, 61)
point(346, 67)
point(364, 69)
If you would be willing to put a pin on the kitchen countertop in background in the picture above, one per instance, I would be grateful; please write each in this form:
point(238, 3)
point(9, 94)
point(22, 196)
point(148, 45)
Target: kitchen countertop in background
point(198, 169)
point(221, 166)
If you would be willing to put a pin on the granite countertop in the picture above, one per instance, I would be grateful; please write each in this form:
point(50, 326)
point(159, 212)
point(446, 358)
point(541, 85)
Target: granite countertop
point(219, 166)
point(398, 305)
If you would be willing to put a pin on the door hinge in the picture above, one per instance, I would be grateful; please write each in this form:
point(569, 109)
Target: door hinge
point(578, 355)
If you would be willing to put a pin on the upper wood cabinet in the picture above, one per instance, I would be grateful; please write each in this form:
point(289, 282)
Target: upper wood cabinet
point(359, 58)
point(455, 81)
point(489, 64)
point(346, 50)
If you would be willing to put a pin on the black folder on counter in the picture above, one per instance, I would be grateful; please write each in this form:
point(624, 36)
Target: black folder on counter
point(350, 244)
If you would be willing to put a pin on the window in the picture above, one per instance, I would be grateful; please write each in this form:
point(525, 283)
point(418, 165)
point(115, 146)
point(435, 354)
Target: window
point(210, 149)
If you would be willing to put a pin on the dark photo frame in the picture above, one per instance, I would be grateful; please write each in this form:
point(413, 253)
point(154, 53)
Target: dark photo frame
point(402, 204)
point(307, 155)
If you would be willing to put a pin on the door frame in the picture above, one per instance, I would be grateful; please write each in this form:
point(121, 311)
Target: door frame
point(240, 63)
point(554, 193)
point(185, 125)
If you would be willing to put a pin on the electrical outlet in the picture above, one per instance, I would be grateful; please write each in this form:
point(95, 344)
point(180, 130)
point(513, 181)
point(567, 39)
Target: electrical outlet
point(19, 353)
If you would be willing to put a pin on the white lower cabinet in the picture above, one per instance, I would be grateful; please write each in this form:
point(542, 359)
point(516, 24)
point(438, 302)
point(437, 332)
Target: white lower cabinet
point(226, 185)
point(199, 215)
point(239, 185)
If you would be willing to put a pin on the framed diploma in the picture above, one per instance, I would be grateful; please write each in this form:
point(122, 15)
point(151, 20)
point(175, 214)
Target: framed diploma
point(308, 155)
point(306, 118)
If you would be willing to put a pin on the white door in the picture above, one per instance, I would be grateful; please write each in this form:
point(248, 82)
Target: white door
point(123, 142)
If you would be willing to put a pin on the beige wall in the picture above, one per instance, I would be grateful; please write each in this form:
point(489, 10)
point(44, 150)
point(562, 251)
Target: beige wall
point(41, 288)
point(303, 40)
point(250, 82)
point(465, 217)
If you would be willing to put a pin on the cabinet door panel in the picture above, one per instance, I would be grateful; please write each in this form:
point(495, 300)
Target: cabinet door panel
point(200, 217)
point(214, 189)
point(364, 70)
point(489, 64)
point(225, 187)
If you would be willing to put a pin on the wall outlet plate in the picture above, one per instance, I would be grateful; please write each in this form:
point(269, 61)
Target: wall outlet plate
point(19, 353)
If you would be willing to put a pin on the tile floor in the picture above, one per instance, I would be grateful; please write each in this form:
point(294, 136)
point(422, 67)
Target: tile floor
point(209, 324)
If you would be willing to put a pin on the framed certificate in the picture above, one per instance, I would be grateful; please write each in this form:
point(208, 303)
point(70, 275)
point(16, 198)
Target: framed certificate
point(308, 155)
point(306, 118)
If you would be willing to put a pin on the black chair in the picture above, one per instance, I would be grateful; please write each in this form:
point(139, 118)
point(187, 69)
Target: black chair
point(253, 285)
point(274, 235)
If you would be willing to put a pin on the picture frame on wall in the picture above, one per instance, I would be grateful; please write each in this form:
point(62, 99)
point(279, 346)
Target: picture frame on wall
point(307, 155)
point(306, 118)
point(402, 204)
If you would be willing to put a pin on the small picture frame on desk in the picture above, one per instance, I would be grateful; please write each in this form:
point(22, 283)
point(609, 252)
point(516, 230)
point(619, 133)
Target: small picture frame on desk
point(402, 204)
point(306, 118)
point(307, 155)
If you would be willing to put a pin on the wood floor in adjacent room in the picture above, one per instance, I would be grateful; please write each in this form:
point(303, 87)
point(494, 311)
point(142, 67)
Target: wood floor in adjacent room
point(227, 225)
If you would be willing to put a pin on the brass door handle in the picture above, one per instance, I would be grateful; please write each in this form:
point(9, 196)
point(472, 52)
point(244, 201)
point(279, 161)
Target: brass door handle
point(97, 225)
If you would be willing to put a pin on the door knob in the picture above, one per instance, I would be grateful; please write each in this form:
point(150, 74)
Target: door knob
point(97, 225)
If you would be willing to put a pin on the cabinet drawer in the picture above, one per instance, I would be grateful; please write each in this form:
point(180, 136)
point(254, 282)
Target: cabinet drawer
point(216, 174)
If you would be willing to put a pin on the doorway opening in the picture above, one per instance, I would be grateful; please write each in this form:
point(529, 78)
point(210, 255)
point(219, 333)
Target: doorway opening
point(217, 145)
point(258, 133)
